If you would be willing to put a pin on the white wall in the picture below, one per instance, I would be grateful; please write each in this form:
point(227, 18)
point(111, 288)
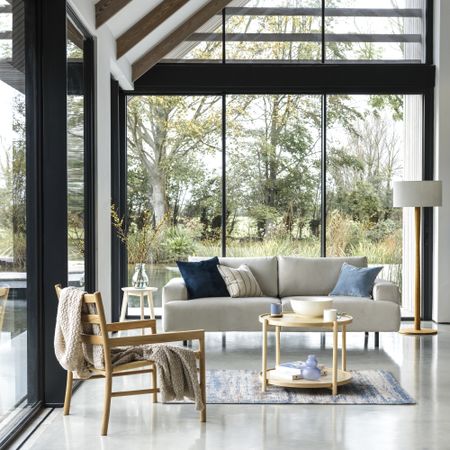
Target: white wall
point(441, 278)
point(106, 65)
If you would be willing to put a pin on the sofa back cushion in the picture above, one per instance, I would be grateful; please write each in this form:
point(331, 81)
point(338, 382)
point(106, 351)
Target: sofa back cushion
point(312, 276)
point(264, 269)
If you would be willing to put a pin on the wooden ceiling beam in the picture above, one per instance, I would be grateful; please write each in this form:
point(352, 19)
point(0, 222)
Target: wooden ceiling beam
point(105, 9)
point(146, 25)
point(188, 27)
point(74, 35)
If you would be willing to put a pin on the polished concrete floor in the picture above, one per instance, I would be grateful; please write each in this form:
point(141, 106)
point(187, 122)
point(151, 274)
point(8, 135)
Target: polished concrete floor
point(422, 365)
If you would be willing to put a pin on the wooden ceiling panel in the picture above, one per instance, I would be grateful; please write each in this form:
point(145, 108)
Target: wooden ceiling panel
point(147, 24)
point(105, 9)
point(190, 26)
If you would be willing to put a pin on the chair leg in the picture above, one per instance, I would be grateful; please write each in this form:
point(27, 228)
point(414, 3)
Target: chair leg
point(224, 340)
point(68, 396)
point(377, 339)
point(154, 384)
point(366, 340)
point(107, 403)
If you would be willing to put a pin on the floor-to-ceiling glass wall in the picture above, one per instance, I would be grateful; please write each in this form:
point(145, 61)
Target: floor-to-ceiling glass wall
point(75, 154)
point(174, 159)
point(13, 219)
point(80, 128)
point(273, 184)
point(305, 171)
point(273, 178)
point(379, 142)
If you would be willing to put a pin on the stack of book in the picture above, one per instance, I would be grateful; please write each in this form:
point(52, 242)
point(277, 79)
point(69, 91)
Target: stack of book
point(291, 370)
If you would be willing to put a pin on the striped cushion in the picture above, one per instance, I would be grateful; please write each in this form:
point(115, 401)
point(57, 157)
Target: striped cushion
point(240, 282)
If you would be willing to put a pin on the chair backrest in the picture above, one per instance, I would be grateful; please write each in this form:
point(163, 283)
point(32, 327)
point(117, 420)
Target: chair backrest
point(4, 292)
point(94, 323)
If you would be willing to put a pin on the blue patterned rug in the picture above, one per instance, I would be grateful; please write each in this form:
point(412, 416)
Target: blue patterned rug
point(368, 387)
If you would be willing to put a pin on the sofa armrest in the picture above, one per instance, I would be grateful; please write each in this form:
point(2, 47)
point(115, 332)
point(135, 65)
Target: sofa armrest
point(175, 289)
point(386, 291)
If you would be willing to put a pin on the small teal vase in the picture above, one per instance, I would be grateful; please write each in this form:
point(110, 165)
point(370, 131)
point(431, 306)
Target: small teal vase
point(310, 369)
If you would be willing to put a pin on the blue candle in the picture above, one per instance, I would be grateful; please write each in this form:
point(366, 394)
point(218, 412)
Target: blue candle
point(275, 309)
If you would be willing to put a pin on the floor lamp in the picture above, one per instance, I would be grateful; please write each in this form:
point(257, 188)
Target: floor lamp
point(417, 194)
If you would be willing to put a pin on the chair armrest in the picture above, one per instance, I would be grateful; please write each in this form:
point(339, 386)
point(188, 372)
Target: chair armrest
point(132, 325)
point(174, 290)
point(386, 291)
point(173, 336)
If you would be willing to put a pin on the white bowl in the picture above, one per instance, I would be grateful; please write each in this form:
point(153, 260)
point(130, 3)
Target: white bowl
point(311, 306)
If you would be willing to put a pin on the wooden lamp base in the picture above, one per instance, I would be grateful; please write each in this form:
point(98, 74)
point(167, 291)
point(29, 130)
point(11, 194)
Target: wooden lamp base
point(417, 330)
point(421, 331)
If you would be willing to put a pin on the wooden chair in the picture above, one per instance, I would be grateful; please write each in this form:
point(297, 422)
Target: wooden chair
point(4, 292)
point(132, 368)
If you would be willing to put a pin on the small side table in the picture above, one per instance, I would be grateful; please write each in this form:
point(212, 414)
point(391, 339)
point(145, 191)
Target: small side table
point(335, 376)
point(141, 293)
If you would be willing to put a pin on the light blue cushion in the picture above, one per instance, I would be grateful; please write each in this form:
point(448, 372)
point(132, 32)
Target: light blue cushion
point(356, 281)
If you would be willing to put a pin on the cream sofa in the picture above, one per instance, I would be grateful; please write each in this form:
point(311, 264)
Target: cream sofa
point(280, 279)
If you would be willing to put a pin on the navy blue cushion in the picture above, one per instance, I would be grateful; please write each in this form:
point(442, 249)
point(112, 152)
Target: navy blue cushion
point(355, 281)
point(203, 279)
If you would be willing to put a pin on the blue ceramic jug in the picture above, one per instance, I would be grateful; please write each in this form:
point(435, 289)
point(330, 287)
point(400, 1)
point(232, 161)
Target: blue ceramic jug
point(310, 369)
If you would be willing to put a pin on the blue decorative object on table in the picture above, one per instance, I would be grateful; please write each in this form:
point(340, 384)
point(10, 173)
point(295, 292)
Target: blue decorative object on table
point(356, 281)
point(310, 369)
point(276, 309)
point(203, 279)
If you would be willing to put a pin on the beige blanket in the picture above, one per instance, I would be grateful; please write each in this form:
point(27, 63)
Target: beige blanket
point(69, 349)
point(177, 369)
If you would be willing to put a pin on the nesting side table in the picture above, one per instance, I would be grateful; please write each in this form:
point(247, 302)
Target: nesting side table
point(141, 293)
point(336, 377)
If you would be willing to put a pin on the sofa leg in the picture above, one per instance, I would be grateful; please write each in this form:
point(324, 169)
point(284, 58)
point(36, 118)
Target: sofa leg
point(366, 340)
point(224, 340)
point(185, 343)
point(377, 339)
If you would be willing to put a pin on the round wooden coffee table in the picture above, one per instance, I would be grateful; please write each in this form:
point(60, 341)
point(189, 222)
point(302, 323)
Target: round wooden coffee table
point(335, 376)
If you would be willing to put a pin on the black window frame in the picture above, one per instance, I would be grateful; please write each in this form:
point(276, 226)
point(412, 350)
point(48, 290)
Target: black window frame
point(321, 12)
point(327, 79)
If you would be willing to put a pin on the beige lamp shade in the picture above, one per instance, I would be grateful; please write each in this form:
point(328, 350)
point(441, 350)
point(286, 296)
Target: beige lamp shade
point(417, 193)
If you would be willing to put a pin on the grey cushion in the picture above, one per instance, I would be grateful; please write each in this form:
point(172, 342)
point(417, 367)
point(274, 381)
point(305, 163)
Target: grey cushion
point(312, 276)
point(264, 268)
point(368, 315)
point(216, 313)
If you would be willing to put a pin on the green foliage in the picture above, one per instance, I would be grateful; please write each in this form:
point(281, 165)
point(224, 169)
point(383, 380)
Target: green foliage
point(13, 191)
point(142, 243)
point(392, 102)
point(382, 230)
point(362, 203)
point(178, 243)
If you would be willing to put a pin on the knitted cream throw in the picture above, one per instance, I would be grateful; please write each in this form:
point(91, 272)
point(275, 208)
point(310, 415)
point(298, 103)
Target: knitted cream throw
point(177, 369)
